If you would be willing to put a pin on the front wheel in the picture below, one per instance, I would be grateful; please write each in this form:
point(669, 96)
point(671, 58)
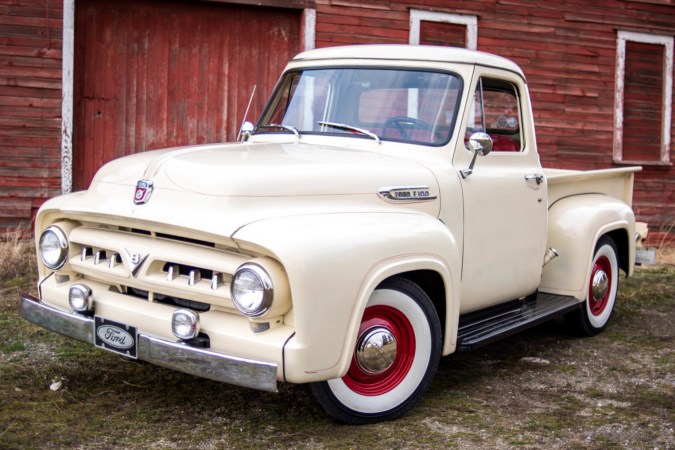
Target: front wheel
point(594, 314)
point(394, 360)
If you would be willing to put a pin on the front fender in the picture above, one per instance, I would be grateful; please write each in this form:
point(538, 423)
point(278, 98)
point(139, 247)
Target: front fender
point(576, 224)
point(333, 263)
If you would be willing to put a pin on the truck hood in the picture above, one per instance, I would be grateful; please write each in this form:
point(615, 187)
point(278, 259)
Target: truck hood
point(236, 184)
point(255, 170)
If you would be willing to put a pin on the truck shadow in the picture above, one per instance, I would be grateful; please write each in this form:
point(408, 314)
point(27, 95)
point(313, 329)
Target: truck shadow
point(532, 348)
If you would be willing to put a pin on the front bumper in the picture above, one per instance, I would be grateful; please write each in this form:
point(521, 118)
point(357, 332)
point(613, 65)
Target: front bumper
point(174, 355)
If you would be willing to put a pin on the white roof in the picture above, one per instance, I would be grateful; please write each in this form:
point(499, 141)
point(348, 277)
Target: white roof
point(410, 53)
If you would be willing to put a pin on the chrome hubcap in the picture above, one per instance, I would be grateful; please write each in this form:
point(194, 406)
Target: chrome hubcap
point(376, 350)
point(600, 285)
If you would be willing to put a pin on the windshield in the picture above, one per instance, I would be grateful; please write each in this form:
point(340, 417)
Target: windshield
point(388, 104)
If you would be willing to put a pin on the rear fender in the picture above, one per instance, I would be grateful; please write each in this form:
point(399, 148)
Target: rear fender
point(575, 224)
point(333, 263)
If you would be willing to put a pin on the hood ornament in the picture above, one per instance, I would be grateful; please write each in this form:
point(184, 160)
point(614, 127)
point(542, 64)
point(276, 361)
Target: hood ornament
point(143, 191)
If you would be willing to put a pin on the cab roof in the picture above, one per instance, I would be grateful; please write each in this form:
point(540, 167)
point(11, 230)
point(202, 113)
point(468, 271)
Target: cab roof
point(410, 53)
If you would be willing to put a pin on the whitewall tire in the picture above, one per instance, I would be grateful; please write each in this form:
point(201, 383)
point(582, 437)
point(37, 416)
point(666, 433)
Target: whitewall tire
point(601, 293)
point(394, 360)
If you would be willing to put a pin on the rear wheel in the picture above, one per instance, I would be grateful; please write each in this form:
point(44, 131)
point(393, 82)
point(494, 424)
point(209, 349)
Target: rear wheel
point(394, 360)
point(594, 315)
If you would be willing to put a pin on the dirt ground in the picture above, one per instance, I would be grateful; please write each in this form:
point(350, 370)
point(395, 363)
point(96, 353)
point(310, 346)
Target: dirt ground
point(541, 389)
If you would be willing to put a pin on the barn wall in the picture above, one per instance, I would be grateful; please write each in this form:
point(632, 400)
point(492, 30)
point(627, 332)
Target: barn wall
point(568, 53)
point(30, 108)
point(567, 50)
point(151, 75)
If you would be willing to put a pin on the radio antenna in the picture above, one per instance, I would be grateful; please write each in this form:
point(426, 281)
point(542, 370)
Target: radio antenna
point(244, 134)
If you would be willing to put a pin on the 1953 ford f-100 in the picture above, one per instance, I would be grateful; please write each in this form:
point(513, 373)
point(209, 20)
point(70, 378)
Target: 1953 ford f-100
point(388, 208)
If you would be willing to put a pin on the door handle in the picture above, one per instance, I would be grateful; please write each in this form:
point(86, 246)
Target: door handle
point(536, 177)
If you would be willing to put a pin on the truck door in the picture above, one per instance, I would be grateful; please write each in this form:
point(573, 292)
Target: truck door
point(505, 203)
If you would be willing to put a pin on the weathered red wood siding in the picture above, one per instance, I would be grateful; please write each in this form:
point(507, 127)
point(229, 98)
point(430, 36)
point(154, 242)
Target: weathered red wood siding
point(30, 108)
point(435, 33)
point(567, 49)
point(154, 74)
point(568, 52)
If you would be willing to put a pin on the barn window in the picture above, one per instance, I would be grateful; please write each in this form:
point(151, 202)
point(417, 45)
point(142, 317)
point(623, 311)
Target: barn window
point(643, 99)
point(437, 28)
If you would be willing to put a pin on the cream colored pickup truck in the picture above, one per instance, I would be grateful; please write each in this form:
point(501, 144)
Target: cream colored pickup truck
point(387, 208)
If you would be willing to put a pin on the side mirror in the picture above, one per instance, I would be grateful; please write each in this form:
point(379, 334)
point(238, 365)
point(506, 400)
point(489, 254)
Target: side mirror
point(480, 144)
point(245, 131)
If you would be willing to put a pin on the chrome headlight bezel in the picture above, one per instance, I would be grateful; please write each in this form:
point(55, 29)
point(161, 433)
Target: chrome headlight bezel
point(185, 324)
point(80, 298)
point(54, 232)
point(260, 298)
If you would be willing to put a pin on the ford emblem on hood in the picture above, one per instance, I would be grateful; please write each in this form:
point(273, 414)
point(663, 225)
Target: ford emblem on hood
point(143, 191)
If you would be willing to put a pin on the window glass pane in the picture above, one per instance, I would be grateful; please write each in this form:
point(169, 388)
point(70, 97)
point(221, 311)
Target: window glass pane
point(499, 116)
point(397, 105)
point(301, 102)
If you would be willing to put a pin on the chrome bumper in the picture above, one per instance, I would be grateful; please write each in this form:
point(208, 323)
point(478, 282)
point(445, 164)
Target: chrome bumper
point(173, 355)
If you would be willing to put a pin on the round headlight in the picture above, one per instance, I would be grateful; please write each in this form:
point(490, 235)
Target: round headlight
point(53, 247)
point(79, 298)
point(185, 324)
point(252, 290)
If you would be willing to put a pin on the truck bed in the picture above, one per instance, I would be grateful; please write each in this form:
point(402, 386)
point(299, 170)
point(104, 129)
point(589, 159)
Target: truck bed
point(617, 183)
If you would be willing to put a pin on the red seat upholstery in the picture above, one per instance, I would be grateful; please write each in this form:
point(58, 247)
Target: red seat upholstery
point(504, 144)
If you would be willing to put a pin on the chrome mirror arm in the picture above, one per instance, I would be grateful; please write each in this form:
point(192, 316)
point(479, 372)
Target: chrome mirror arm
point(469, 170)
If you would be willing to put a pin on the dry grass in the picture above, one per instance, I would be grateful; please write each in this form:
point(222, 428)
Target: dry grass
point(665, 256)
point(17, 261)
point(540, 389)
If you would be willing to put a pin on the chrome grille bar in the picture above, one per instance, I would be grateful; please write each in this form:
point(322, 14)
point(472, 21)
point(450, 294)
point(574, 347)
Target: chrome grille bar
point(158, 265)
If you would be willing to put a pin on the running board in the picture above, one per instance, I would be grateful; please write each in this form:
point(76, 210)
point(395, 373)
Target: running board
point(486, 326)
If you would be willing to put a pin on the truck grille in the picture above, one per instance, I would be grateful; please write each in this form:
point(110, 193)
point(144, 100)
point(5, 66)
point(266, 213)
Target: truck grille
point(156, 267)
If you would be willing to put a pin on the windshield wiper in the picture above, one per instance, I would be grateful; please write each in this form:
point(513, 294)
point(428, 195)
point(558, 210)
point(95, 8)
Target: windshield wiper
point(344, 126)
point(283, 127)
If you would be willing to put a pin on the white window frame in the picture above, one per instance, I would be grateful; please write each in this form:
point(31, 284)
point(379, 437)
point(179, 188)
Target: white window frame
point(67, 68)
point(418, 15)
point(666, 119)
point(309, 28)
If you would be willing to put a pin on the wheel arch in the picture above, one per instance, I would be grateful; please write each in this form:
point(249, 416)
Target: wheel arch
point(576, 224)
point(623, 245)
point(432, 283)
point(434, 276)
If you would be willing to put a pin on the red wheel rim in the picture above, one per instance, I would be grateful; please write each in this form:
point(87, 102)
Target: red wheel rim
point(399, 326)
point(599, 288)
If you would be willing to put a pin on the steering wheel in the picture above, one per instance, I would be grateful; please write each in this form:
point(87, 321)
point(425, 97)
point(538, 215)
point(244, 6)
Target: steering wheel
point(399, 123)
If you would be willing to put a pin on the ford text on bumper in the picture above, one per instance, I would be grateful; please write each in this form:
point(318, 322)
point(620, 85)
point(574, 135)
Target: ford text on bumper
point(177, 356)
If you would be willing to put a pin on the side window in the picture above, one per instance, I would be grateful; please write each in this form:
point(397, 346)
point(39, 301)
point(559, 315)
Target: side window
point(496, 110)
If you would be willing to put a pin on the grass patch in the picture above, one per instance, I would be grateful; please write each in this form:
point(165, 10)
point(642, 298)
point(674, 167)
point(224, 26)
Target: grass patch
point(613, 390)
point(17, 262)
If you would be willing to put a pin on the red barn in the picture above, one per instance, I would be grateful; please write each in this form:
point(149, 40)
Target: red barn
point(86, 81)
